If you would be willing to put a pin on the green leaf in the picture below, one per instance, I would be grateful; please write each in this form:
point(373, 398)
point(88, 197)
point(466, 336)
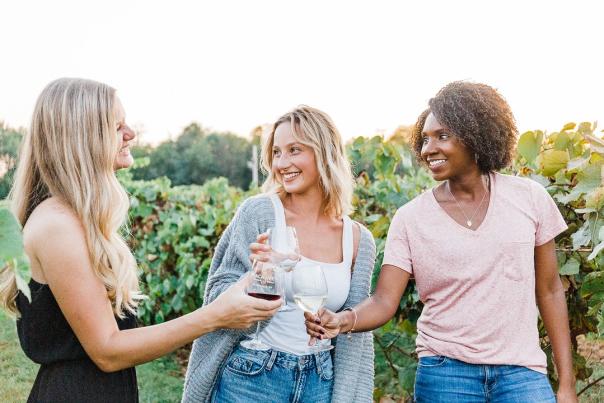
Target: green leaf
point(593, 283)
point(570, 267)
point(595, 198)
point(596, 144)
point(12, 254)
point(596, 250)
point(406, 377)
point(577, 163)
point(582, 236)
point(529, 145)
point(11, 241)
point(562, 141)
point(569, 126)
point(551, 161)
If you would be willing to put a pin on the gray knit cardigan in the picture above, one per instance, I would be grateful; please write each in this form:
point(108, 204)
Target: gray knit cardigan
point(353, 358)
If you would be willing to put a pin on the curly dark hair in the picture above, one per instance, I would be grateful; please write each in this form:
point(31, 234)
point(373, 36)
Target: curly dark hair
point(479, 116)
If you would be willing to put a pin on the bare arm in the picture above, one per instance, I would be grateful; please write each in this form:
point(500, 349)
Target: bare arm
point(372, 313)
point(552, 306)
point(83, 300)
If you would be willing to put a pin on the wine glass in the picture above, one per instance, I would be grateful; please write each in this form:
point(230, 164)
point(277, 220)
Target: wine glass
point(285, 254)
point(310, 293)
point(265, 285)
point(285, 250)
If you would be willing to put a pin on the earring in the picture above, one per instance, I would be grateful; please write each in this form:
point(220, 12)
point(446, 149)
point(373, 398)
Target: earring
point(476, 157)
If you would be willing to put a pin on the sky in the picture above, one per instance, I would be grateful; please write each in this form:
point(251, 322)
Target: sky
point(371, 65)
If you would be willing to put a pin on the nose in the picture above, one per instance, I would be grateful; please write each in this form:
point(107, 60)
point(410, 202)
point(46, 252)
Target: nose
point(129, 134)
point(428, 148)
point(282, 161)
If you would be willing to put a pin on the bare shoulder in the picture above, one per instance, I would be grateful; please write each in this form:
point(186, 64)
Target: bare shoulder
point(52, 229)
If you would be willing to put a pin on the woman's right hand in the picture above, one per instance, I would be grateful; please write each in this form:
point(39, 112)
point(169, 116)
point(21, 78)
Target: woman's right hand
point(259, 250)
point(324, 325)
point(237, 310)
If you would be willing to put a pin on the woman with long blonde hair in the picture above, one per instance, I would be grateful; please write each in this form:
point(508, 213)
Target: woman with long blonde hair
point(81, 322)
point(308, 187)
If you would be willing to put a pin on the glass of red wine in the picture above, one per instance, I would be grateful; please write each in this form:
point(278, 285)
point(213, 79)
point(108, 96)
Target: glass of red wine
point(265, 285)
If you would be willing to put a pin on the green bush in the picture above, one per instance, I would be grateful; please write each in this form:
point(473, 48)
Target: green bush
point(173, 232)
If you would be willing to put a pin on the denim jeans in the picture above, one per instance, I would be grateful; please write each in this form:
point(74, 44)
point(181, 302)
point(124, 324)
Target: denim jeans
point(273, 376)
point(443, 379)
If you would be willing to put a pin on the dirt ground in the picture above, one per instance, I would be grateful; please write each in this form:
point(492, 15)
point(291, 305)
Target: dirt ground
point(592, 350)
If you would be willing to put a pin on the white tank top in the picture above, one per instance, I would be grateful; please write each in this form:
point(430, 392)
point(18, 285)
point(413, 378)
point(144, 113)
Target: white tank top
point(286, 330)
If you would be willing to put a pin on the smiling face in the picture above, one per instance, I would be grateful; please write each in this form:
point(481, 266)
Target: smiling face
point(444, 154)
point(125, 135)
point(293, 164)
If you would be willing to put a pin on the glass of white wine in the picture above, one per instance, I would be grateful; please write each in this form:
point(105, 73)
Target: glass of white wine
point(310, 293)
point(285, 254)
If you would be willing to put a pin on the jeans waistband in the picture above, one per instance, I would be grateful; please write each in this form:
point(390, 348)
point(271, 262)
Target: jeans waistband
point(291, 361)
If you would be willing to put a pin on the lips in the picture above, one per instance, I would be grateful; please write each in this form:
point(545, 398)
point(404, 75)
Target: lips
point(436, 163)
point(290, 176)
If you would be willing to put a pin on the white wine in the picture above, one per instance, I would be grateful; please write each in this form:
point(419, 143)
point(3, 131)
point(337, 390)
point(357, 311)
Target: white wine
point(310, 303)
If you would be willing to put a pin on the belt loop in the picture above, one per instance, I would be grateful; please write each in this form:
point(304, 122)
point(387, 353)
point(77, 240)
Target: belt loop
point(318, 363)
point(271, 360)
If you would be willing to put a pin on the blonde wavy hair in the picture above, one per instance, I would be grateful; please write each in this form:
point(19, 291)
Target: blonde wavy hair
point(69, 153)
point(315, 129)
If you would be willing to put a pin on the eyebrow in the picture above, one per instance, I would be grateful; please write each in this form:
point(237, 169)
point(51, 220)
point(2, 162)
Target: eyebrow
point(289, 145)
point(437, 131)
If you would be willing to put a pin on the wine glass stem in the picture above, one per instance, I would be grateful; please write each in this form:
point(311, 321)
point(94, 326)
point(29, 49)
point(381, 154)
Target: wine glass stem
point(257, 332)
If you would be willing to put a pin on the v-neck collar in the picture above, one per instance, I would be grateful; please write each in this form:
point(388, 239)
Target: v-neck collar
point(492, 179)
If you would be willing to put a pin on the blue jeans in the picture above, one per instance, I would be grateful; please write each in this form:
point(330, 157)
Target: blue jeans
point(275, 376)
point(443, 379)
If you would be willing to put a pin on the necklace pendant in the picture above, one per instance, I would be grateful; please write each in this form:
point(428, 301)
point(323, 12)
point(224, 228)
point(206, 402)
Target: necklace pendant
point(469, 223)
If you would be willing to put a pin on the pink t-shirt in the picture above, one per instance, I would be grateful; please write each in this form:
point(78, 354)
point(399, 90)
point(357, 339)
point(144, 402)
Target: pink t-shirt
point(478, 287)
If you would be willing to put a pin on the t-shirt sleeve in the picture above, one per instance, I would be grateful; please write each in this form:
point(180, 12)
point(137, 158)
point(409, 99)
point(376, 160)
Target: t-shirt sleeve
point(550, 222)
point(397, 252)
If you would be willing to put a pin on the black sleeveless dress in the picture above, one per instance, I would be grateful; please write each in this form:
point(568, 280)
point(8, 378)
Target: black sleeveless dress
point(66, 372)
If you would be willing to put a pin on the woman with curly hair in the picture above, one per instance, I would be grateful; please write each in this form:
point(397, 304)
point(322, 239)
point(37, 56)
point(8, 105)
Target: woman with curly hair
point(480, 246)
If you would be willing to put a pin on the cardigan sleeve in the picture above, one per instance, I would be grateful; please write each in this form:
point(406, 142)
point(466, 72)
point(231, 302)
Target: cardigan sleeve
point(353, 358)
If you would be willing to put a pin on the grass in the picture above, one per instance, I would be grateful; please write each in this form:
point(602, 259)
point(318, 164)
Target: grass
point(594, 394)
point(158, 381)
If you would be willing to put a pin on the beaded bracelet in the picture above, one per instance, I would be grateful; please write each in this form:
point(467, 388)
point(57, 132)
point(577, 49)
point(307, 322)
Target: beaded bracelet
point(349, 333)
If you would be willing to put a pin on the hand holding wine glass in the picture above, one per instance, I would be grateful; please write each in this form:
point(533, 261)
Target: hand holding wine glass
point(235, 309)
point(324, 325)
point(310, 293)
point(277, 246)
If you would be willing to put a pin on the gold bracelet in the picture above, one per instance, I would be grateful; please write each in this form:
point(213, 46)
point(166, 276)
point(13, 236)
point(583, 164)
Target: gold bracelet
point(349, 333)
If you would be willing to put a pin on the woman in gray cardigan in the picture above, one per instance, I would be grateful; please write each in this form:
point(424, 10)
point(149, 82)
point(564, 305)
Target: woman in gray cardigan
point(309, 186)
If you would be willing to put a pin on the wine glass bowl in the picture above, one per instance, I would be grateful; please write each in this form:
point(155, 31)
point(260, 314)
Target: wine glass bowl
point(265, 285)
point(284, 245)
point(310, 294)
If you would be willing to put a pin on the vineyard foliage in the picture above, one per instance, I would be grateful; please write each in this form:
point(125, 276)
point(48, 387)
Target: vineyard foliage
point(174, 229)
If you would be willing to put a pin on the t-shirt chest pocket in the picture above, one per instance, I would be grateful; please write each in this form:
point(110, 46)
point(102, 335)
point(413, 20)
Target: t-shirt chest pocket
point(517, 259)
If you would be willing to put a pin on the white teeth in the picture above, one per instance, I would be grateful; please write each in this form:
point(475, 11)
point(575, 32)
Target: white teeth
point(434, 163)
point(291, 175)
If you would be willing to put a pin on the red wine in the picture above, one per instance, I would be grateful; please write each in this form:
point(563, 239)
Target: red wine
point(269, 297)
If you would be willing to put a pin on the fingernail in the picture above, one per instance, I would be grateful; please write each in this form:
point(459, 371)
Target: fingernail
point(318, 321)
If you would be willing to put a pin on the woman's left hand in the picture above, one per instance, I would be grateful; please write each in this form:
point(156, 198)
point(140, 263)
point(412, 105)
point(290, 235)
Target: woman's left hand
point(566, 395)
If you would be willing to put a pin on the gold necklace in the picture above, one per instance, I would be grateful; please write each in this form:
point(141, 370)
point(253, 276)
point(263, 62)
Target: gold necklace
point(469, 220)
